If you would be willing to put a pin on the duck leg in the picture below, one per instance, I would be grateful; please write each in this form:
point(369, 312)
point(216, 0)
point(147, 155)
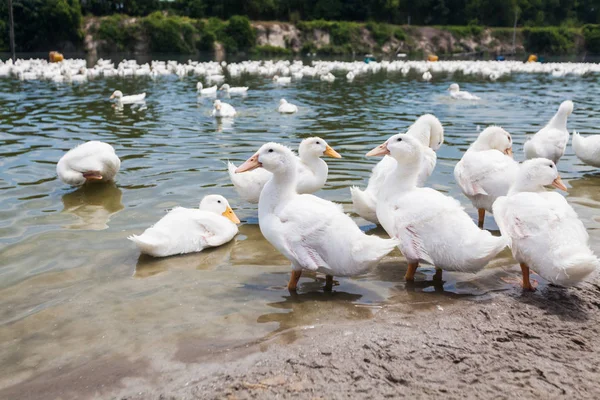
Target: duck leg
point(526, 282)
point(294, 279)
point(410, 272)
point(328, 283)
point(438, 275)
point(481, 217)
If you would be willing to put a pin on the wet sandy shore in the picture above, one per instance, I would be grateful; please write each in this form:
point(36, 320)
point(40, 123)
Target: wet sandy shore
point(527, 345)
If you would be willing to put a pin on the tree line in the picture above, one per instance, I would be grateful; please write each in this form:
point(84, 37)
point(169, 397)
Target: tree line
point(418, 12)
point(42, 24)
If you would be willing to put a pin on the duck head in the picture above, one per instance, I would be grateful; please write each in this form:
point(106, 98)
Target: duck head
point(282, 102)
point(199, 86)
point(225, 87)
point(217, 105)
point(536, 173)
point(454, 88)
point(316, 147)
point(494, 138)
point(273, 157)
point(403, 148)
point(219, 205)
point(117, 94)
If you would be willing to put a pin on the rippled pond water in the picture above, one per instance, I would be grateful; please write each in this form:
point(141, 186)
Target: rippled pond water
point(73, 290)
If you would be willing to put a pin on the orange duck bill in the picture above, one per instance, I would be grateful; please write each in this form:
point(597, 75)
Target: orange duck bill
point(249, 165)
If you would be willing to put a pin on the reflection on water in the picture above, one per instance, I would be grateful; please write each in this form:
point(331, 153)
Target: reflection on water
point(93, 205)
point(74, 289)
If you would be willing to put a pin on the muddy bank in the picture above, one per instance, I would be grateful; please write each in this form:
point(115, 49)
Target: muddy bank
point(527, 345)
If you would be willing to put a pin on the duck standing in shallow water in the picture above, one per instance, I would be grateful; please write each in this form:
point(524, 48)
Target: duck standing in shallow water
point(551, 141)
point(92, 161)
point(223, 110)
point(186, 230)
point(487, 169)
point(206, 91)
point(314, 234)
point(544, 232)
point(430, 132)
point(312, 171)
point(431, 226)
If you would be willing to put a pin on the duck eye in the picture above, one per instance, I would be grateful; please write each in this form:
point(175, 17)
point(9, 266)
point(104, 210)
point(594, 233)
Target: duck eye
point(218, 201)
point(551, 166)
point(270, 150)
point(318, 142)
point(399, 139)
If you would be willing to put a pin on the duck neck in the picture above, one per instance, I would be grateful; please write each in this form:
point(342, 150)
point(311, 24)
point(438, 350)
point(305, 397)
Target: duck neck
point(314, 163)
point(559, 120)
point(524, 185)
point(405, 176)
point(280, 188)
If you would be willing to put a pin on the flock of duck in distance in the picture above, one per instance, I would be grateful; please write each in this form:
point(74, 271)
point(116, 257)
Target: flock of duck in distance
point(540, 227)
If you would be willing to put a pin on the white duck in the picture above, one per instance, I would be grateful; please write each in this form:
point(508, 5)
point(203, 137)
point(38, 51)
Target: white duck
point(544, 231)
point(551, 141)
point(223, 110)
point(311, 175)
point(134, 98)
point(209, 90)
point(187, 230)
point(235, 89)
point(314, 234)
point(487, 169)
point(90, 161)
point(287, 108)
point(282, 79)
point(430, 132)
point(432, 227)
point(456, 93)
point(427, 76)
point(587, 149)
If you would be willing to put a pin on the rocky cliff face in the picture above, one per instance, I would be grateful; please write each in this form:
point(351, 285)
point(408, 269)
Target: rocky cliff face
point(323, 37)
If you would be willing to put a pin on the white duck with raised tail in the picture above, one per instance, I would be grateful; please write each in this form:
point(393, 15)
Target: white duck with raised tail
point(314, 234)
point(223, 110)
point(551, 141)
point(487, 169)
point(187, 230)
point(134, 98)
point(587, 149)
point(287, 108)
point(311, 175)
point(431, 226)
point(430, 132)
point(544, 232)
point(89, 162)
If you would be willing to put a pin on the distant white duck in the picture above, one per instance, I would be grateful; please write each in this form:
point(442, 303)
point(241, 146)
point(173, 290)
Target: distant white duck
point(314, 234)
point(487, 169)
point(282, 79)
point(223, 110)
point(350, 76)
point(328, 77)
point(186, 230)
point(551, 141)
point(208, 90)
point(544, 232)
point(431, 226)
point(286, 108)
point(134, 98)
point(456, 93)
point(426, 76)
point(215, 78)
point(587, 149)
point(430, 132)
point(235, 89)
point(90, 161)
point(311, 175)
